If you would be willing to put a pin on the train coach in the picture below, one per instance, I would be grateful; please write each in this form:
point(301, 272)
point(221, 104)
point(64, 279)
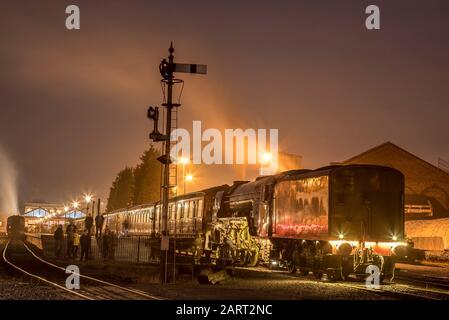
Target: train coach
point(336, 220)
point(15, 227)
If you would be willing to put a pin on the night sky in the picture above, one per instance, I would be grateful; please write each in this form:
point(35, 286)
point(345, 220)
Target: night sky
point(73, 103)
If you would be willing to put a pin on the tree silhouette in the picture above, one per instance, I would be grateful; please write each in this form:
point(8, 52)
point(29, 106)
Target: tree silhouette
point(139, 185)
point(121, 192)
point(147, 178)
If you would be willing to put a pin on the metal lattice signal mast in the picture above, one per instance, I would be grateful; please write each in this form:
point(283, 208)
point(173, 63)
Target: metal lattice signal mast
point(167, 68)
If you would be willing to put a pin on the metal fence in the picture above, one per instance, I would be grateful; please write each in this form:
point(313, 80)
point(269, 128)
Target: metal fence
point(124, 248)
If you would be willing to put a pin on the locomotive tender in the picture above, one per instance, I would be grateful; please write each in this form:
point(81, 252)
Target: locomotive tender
point(336, 220)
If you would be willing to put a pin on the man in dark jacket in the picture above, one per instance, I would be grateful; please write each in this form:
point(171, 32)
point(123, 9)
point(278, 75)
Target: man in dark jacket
point(70, 231)
point(85, 245)
point(59, 238)
point(88, 223)
point(99, 220)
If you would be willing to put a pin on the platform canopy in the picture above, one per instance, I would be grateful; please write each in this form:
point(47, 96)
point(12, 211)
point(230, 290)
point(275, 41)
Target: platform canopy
point(49, 210)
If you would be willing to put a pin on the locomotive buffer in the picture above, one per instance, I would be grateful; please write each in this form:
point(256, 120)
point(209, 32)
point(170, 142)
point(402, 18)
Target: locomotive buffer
point(167, 68)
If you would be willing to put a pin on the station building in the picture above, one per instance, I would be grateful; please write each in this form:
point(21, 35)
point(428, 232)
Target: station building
point(51, 213)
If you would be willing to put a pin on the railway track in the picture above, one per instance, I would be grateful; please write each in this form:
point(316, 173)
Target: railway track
point(407, 289)
point(23, 260)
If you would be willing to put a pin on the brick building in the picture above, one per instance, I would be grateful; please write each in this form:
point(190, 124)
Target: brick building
point(426, 186)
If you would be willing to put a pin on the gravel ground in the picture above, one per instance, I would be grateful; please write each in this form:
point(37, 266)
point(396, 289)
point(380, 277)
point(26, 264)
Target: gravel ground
point(13, 286)
point(257, 283)
point(261, 285)
point(20, 289)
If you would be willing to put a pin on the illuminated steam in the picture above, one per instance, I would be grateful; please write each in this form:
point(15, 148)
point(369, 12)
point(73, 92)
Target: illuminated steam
point(9, 203)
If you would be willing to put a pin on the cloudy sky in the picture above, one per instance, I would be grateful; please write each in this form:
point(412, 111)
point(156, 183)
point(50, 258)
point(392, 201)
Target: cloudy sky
point(73, 103)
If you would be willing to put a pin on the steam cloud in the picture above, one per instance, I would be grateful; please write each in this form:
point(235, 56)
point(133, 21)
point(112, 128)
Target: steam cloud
point(8, 186)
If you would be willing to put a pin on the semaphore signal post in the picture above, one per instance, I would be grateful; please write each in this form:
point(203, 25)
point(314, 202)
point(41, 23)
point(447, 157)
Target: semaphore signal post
point(167, 69)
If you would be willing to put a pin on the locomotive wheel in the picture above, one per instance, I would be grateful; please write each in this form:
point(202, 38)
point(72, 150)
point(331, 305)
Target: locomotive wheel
point(304, 272)
point(345, 275)
point(253, 258)
point(318, 274)
point(291, 268)
point(334, 275)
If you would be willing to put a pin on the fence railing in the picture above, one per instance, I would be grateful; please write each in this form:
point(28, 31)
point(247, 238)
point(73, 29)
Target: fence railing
point(424, 210)
point(123, 248)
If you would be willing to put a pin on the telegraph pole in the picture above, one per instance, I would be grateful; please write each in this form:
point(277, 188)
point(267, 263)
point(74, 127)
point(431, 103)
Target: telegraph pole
point(167, 68)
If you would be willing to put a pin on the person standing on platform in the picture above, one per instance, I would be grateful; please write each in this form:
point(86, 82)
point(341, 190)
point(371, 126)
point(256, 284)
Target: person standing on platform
point(88, 223)
point(59, 238)
point(76, 244)
point(70, 231)
point(85, 245)
point(99, 220)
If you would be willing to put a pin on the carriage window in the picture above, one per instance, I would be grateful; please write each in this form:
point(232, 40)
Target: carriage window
point(195, 209)
point(191, 209)
point(178, 211)
point(182, 210)
point(200, 208)
point(186, 209)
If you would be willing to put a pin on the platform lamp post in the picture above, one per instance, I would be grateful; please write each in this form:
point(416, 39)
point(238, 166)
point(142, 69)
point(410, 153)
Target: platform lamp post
point(87, 199)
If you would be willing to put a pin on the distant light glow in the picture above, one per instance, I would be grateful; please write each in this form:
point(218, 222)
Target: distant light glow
point(183, 160)
point(189, 177)
point(266, 157)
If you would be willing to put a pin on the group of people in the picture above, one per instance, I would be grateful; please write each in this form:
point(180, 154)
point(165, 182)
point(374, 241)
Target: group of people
point(74, 240)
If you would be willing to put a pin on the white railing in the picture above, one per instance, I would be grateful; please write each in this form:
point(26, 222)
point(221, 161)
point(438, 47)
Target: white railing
point(425, 209)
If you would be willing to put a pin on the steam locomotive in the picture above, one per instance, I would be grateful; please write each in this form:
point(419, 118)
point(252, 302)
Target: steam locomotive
point(15, 227)
point(335, 220)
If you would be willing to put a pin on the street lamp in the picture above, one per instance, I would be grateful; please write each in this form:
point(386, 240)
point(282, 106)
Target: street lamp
point(184, 161)
point(188, 178)
point(265, 159)
point(88, 199)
